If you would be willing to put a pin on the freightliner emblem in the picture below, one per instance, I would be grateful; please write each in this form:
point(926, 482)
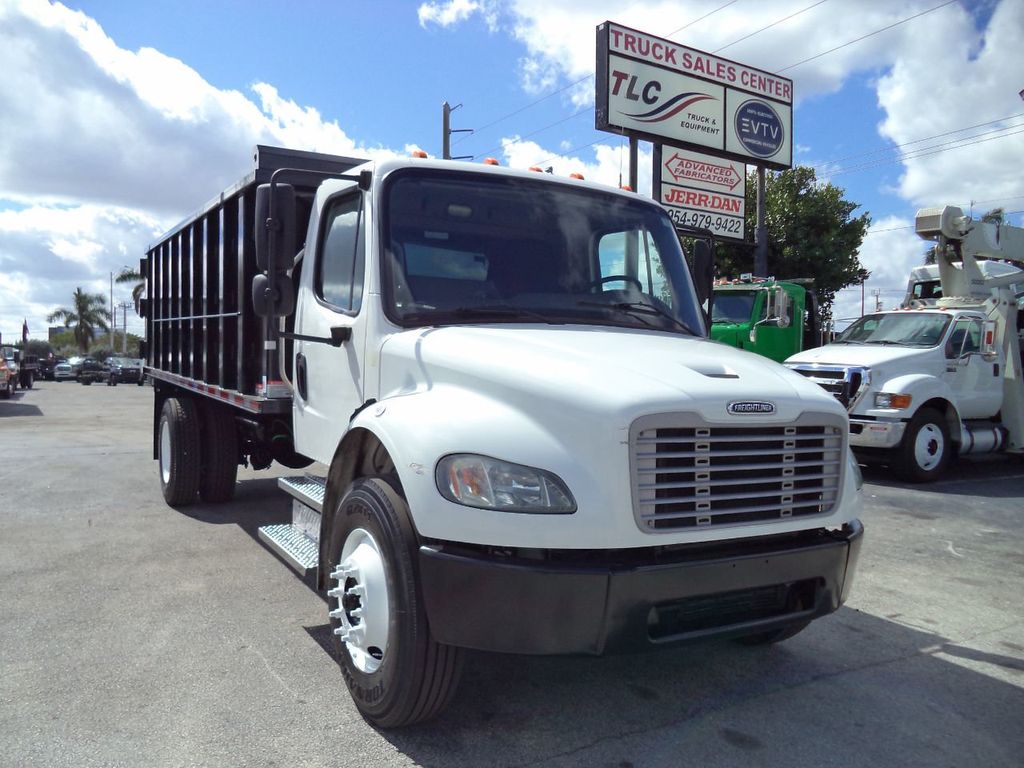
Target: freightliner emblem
point(751, 406)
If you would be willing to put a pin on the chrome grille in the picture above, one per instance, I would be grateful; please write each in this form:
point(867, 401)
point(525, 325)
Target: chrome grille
point(845, 384)
point(691, 474)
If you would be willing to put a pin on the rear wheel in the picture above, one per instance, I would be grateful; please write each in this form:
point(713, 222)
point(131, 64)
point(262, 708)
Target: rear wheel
point(220, 455)
point(395, 671)
point(925, 450)
point(179, 451)
point(8, 389)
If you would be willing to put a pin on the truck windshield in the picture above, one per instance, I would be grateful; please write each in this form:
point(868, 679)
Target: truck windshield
point(912, 329)
point(733, 306)
point(472, 248)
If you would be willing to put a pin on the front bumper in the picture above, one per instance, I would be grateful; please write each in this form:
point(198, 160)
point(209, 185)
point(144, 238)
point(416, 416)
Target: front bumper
point(515, 605)
point(869, 433)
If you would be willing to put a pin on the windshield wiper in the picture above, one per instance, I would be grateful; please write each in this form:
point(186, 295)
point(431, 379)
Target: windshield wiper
point(641, 307)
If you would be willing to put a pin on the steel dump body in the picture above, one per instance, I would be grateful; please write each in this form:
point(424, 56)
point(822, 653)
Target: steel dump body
point(201, 330)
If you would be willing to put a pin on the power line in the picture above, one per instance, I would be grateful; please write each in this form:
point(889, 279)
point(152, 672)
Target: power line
point(911, 226)
point(870, 34)
point(926, 152)
point(916, 141)
point(691, 23)
point(533, 103)
point(774, 23)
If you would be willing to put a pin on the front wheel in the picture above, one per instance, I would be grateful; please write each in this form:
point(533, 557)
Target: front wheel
point(925, 450)
point(395, 671)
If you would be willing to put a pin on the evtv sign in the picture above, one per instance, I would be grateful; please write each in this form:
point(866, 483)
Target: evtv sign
point(657, 90)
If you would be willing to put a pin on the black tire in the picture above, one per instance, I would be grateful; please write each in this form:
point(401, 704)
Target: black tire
point(8, 390)
point(219, 449)
point(86, 382)
point(178, 449)
point(415, 676)
point(925, 451)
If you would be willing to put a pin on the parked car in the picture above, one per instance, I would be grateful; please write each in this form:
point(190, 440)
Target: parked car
point(92, 370)
point(8, 379)
point(48, 365)
point(63, 371)
point(124, 370)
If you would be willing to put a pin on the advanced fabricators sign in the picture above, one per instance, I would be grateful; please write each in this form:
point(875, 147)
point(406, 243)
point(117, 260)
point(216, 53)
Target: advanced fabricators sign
point(657, 90)
point(701, 191)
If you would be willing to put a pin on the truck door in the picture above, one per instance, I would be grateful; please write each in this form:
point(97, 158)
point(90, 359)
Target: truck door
point(975, 382)
point(328, 379)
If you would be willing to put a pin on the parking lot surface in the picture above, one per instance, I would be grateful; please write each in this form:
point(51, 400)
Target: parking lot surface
point(133, 634)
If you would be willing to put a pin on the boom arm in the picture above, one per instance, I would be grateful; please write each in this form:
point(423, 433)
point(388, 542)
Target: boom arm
point(969, 239)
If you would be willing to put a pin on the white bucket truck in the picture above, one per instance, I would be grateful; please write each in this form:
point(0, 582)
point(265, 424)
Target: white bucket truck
point(940, 377)
point(528, 443)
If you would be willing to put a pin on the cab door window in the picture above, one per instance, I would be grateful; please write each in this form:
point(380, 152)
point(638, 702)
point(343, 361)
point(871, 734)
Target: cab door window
point(340, 271)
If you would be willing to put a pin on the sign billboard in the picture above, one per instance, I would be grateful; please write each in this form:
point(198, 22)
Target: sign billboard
point(658, 90)
point(701, 191)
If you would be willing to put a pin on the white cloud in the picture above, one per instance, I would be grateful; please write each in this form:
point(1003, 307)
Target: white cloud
point(104, 148)
point(889, 251)
point(971, 82)
point(452, 12)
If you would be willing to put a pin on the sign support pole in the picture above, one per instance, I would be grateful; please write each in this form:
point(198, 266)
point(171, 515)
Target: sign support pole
point(761, 236)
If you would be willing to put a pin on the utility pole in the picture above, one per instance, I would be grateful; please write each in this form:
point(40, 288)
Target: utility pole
point(124, 326)
point(113, 317)
point(447, 131)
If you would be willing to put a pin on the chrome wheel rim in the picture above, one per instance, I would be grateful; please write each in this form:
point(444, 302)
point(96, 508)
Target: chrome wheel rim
point(361, 602)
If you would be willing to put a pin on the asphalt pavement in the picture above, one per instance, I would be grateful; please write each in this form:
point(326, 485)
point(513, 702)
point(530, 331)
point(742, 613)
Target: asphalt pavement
point(133, 634)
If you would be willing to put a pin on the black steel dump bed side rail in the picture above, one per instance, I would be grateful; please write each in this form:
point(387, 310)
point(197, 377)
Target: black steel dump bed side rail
point(201, 330)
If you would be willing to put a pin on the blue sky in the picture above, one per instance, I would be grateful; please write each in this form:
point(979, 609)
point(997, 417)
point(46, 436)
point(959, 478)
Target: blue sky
point(121, 118)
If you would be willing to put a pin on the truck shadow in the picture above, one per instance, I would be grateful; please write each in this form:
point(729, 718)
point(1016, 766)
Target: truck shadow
point(15, 407)
point(871, 690)
point(257, 502)
point(996, 476)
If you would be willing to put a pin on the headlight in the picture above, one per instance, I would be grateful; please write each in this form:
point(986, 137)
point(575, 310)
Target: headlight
point(858, 477)
point(889, 400)
point(486, 483)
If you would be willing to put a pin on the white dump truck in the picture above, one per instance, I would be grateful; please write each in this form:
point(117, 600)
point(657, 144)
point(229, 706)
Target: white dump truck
point(940, 377)
point(526, 441)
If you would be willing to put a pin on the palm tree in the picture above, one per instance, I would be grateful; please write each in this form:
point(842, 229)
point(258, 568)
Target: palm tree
point(130, 275)
point(86, 315)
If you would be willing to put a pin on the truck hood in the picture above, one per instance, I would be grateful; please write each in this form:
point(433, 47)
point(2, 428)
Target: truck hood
point(867, 355)
point(606, 371)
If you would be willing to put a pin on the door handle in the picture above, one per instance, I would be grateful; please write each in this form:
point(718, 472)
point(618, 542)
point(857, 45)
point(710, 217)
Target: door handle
point(300, 375)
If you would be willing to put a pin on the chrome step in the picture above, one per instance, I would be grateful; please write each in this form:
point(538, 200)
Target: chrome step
point(309, 489)
point(298, 542)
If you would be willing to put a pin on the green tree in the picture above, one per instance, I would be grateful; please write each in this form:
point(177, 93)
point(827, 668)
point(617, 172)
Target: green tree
point(812, 232)
point(85, 316)
point(130, 275)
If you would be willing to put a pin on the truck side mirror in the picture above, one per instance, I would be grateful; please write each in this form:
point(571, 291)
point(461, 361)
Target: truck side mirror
point(779, 307)
point(988, 340)
point(277, 303)
point(275, 227)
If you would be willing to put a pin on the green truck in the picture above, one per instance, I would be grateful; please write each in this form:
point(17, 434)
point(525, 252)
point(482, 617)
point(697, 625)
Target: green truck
point(774, 318)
